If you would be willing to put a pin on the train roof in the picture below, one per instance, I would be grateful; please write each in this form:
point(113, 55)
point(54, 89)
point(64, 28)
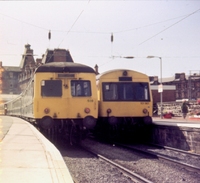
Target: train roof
point(64, 67)
point(118, 70)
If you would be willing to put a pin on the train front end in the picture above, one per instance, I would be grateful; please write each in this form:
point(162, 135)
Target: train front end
point(125, 100)
point(65, 97)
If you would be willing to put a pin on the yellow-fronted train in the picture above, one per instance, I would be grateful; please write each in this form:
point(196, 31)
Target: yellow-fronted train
point(124, 103)
point(61, 96)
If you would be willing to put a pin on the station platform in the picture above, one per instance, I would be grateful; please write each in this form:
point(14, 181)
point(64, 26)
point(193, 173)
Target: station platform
point(26, 156)
point(178, 121)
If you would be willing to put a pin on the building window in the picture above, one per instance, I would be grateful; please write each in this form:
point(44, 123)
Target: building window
point(185, 95)
point(182, 85)
point(198, 94)
point(11, 74)
point(186, 85)
point(182, 95)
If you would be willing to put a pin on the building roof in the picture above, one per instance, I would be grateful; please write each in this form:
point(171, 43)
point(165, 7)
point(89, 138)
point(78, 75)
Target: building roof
point(12, 68)
point(57, 55)
point(168, 79)
point(171, 79)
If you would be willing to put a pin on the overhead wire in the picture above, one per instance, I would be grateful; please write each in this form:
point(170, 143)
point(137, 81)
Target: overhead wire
point(159, 32)
point(71, 26)
point(24, 22)
point(169, 26)
point(91, 32)
point(114, 32)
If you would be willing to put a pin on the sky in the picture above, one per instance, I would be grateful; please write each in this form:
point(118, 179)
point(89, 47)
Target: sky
point(169, 30)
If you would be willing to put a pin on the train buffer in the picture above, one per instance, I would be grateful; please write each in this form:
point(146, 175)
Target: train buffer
point(26, 156)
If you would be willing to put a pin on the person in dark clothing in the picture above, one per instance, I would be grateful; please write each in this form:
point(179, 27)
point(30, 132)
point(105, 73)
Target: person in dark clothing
point(184, 108)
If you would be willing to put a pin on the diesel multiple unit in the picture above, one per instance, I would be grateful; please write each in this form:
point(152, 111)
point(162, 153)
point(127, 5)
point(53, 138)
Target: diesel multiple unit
point(70, 97)
point(60, 95)
point(125, 100)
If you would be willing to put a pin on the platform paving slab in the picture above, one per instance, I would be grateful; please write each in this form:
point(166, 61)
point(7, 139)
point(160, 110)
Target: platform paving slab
point(26, 156)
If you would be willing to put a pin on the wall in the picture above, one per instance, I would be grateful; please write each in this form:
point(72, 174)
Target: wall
point(168, 95)
point(178, 137)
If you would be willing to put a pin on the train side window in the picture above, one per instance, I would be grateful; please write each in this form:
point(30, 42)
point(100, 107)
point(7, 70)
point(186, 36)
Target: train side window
point(80, 88)
point(51, 88)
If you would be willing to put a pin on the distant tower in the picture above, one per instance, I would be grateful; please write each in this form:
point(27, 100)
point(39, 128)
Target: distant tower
point(96, 67)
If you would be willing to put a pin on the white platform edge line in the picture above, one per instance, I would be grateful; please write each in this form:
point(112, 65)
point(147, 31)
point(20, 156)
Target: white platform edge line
point(179, 124)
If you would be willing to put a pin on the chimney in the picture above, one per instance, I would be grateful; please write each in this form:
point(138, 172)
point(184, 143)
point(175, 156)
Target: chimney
point(38, 61)
point(96, 69)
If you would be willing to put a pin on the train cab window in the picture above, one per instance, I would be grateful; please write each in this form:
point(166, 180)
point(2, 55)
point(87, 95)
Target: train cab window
point(121, 91)
point(51, 88)
point(110, 91)
point(80, 88)
point(141, 92)
point(126, 91)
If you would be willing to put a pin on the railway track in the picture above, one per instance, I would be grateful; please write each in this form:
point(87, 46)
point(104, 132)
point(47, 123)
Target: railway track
point(185, 159)
point(86, 166)
point(122, 164)
point(174, 149)
point(154, 167)
point(67, 150)
point(134, 176)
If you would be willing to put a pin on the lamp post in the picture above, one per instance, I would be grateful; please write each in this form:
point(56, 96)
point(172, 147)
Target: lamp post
point(161, 87)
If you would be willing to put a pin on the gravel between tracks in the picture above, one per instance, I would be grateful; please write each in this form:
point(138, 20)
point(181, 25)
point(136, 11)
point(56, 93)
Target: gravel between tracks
point(85, 168)
point(151, 168)
point(180, 156)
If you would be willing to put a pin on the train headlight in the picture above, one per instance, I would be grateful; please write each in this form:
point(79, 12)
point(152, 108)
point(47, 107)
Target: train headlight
point(87, 110)
point(109, 111)
point(145, 111)
point(89, 122)
point(46, 122)
point(46, 110)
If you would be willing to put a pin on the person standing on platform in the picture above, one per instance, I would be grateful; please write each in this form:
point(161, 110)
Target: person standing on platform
point(184, 108)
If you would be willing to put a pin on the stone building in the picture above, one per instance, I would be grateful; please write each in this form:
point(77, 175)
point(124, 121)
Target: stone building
point(13, 80)
point(168, 94)
point(185, 87)
point(27, 67)
point(9, 79)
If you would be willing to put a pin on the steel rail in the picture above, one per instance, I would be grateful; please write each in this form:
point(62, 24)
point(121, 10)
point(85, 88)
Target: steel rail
point(159, 156)
point(125, 170)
